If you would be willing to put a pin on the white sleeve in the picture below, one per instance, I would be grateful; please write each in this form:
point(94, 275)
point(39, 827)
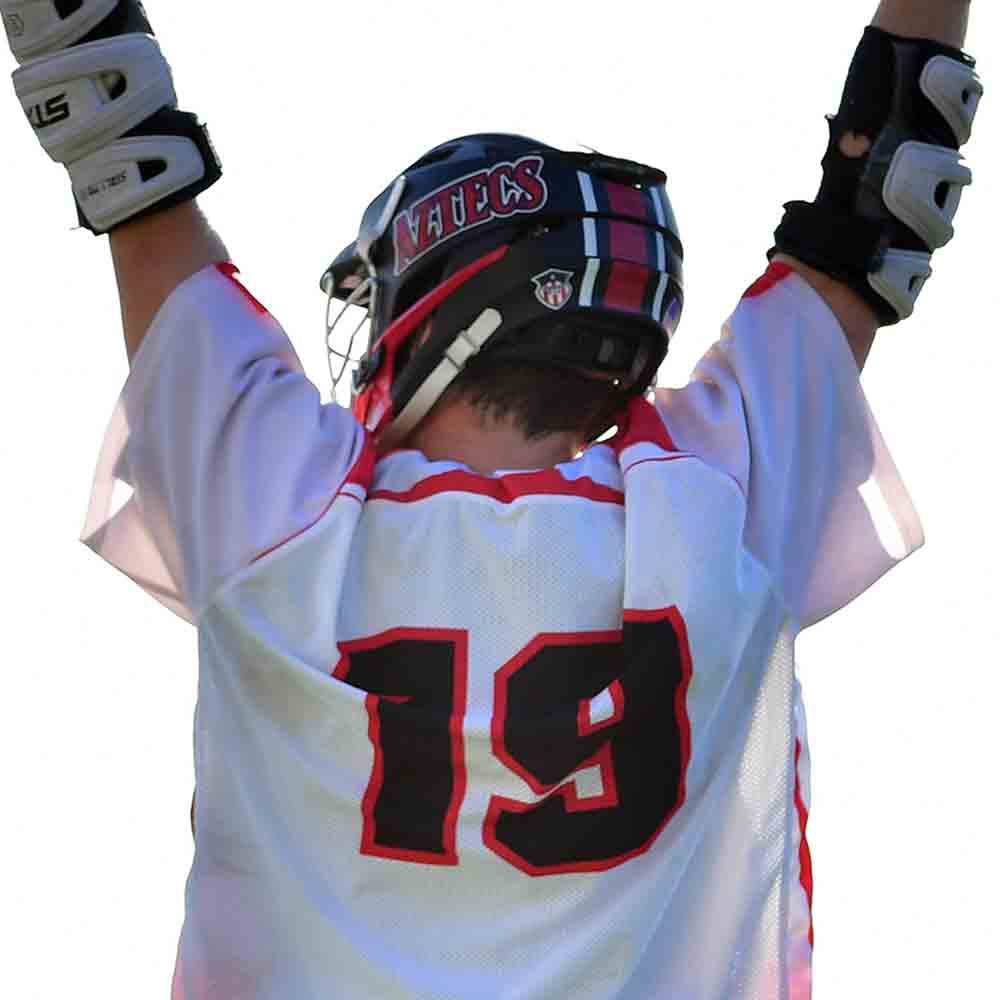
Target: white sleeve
point(777, 404)
point(222, 443)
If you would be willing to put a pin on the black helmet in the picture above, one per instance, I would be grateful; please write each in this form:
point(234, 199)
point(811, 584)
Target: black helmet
point(521, 252)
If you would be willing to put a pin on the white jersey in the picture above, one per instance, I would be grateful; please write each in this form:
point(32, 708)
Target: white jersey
point(528, 735)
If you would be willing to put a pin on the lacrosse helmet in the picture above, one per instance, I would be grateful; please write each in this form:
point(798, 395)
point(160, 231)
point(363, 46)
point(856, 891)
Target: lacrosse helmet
point(520, 252)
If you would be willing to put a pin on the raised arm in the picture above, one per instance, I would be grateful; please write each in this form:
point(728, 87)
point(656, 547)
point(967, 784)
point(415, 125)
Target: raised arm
point(152, 256)
point(842, 239)
point(945, 21)
point(99, 93)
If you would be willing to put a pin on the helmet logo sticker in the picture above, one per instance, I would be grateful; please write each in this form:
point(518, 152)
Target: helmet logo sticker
point(553, 288)
point(504, 190)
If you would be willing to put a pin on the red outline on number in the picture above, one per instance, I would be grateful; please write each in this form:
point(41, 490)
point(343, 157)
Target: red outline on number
point(460, 640)
point(500, 679)
point(499, 804)
point(602, 759)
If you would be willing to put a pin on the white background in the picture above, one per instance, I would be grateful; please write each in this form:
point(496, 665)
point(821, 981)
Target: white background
point(313, 109)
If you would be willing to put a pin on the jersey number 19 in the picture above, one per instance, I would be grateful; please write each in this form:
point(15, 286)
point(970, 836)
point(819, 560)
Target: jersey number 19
point(543, 728)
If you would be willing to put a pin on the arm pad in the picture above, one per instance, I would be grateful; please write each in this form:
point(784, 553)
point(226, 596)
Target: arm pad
point(99, 94)
point(879, 216)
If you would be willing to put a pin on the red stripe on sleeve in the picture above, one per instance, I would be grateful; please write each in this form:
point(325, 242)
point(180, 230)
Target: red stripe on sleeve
point(360, 474)
point(805, 858)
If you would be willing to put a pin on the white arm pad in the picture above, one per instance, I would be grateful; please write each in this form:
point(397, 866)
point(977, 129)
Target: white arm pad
point(923, 188)
point(80, 99)
point(100, 96)
point(110, 187)
point(34, 27)
point(955, 90)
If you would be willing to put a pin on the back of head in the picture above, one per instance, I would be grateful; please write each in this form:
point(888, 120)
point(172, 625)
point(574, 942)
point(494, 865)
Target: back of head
point(512, 272)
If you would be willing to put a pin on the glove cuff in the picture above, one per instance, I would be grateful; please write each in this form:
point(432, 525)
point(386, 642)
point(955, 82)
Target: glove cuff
point(842, 246)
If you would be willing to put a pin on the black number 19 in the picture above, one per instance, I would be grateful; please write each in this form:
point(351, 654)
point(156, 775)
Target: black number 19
point(544, 729)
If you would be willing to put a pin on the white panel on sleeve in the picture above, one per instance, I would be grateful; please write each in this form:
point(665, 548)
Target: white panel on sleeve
point(223, 441)
point(778, 405)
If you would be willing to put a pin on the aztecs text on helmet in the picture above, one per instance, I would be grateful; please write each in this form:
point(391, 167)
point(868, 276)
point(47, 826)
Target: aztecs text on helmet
point(503, 190)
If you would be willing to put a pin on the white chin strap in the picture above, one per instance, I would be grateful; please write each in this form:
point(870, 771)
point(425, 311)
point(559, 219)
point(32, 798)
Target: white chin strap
point(467, 344)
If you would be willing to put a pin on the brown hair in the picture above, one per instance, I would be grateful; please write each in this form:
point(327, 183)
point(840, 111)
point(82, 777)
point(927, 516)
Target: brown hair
point(539, 399)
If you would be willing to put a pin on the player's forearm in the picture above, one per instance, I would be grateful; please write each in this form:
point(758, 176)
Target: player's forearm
point(130, 152)
point(945, 21)
point(856, 317)
point(152, 256)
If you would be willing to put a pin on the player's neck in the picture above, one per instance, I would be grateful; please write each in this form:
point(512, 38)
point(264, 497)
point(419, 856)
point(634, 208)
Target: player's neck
point(459, 433)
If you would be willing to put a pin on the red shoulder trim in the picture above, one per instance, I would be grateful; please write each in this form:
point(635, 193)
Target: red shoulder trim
point(360, 474)
point(642, 425)
point(778, 271)
point(230, 270)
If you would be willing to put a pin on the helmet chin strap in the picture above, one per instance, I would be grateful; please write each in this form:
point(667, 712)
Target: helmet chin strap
point(466, 344)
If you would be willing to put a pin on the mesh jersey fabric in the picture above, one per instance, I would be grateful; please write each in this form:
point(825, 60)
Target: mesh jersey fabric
point(529, 735)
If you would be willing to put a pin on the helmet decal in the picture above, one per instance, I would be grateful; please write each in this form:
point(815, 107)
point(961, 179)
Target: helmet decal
point(505, 189)
point(553, 288)
point(577, 252)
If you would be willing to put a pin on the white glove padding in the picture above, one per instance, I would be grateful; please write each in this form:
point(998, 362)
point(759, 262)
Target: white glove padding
point(36, 27)
point(100, 96)
point(880, 215)
point(82, 98)
point(116, 183)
